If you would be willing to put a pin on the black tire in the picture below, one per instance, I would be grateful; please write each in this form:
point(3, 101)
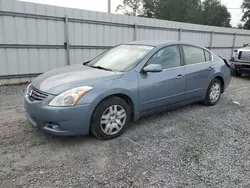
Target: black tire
point(95, 126)
point(208, 101)
point(236, 73)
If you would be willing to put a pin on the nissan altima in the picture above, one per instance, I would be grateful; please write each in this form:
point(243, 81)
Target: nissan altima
point(123, 84)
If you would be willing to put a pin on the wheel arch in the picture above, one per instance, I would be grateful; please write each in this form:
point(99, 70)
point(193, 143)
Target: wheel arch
point(123, 95)
point(219, 77)
point(126, 98)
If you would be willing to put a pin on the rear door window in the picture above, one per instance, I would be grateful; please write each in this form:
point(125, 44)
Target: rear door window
point(193, 55)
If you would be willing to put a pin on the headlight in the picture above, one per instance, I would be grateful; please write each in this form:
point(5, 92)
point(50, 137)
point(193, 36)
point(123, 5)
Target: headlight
point(70, 97)
point(28, 90)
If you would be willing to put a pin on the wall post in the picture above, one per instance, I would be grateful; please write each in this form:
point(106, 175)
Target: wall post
point(234, 40)
point(67, 45)
point(180, 33)
point(135, 32)
point(211, 40)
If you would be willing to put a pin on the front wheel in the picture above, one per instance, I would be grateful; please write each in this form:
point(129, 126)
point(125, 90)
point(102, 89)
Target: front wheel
point(213, 92)
point(110, 118)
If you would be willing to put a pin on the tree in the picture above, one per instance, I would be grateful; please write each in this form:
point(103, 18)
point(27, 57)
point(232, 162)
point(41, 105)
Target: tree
point(150, 8)
point(240, 26)
point(246, 16)
point(214, 13)
point(131, 7)
point(174, 10)
point(208, 12)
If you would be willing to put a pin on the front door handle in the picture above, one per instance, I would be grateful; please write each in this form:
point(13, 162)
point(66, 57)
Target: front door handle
point(179, 76)
point(209, 68)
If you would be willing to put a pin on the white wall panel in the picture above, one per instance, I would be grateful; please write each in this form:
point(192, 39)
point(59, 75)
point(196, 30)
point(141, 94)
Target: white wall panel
point(3, 62)
point(38, 31)
point(152, 34)
point(2, 34)
point(25, 65)
point(25, 61)
point(172, 35)
point(202, 39)
point(9, 29)
point(82, 55)
point(240, 40)
point(12, 64)
point(223, 40)
point(225, 53)
point(17, 30)
point(7, 5)
point(21, 31)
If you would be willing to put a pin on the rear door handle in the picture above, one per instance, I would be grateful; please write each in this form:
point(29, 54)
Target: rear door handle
point(210, 68)
point(179, 76)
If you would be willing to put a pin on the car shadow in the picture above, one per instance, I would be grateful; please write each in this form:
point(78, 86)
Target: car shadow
point(243, 77)
point(155, 117)
point(69, 140)
point(72, 140)
point(91, 139)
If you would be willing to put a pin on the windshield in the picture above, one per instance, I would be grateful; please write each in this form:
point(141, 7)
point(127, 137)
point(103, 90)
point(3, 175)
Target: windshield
point(121, 58)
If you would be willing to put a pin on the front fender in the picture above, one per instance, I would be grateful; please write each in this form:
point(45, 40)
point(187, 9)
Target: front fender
point(127, 85)
point(117, 91)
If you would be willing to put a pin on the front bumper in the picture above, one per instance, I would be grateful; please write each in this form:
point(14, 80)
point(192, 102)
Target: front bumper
point(64, 121)
point(241, 67)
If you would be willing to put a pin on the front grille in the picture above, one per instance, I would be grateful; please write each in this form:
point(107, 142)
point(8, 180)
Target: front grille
point(36, 95)
point(246, 66)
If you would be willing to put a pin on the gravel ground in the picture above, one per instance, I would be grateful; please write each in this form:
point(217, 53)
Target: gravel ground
point(192, 146)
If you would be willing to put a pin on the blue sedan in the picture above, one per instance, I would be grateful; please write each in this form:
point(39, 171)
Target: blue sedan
point(123, 84)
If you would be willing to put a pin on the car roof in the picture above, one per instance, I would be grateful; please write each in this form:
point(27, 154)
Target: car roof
point(156, 43)
point(153, 42)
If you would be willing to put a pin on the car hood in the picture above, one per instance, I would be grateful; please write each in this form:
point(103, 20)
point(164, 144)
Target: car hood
point(244, 49)
point(61, 79)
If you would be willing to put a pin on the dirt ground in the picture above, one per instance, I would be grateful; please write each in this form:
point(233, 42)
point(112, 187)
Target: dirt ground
point(192, 146)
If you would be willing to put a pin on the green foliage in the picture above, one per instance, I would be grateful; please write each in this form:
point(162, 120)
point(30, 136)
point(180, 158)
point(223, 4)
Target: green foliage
point(179, 10)
point(214, 13)
point(131, 7)
point(208, 12)
point(246, 16)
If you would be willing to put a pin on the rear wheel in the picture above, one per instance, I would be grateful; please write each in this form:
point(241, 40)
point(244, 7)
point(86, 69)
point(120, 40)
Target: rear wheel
point(213, 92)
point(110, 118)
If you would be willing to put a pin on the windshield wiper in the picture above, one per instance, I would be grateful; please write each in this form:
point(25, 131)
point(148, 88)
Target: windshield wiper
point(99, 67)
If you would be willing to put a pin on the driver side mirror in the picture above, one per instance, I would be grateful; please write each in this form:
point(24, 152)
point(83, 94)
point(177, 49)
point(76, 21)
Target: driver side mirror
point(152, 68)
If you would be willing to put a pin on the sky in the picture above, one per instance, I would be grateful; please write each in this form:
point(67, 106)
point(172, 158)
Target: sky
point(101, 5)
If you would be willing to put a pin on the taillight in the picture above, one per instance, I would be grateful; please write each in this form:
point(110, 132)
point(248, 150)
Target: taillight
point(230, 65)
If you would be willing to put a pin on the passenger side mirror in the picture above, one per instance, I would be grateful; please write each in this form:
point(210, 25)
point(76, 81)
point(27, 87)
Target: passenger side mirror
point(152, 68)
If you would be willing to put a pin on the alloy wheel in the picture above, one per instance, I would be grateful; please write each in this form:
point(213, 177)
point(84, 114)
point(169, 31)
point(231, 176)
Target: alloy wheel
point(215, 92)
point(113, 119)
